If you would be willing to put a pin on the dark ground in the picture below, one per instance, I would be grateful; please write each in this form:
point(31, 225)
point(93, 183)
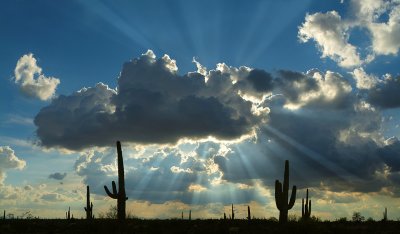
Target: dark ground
point(100, 226)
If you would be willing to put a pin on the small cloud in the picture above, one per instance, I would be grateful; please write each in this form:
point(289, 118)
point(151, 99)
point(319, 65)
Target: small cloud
point(57, 176)
point(52, 197)
point(8, 160)
point(364, 80)
point(196, 188)
point(31, 81)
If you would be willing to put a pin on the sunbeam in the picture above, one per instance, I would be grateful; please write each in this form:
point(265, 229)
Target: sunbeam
point(316, 157)
point(120, 24)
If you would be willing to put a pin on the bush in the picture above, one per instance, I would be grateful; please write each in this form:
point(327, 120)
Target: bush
point(357, 217)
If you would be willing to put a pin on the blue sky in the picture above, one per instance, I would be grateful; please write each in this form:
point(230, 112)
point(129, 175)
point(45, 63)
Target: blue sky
point(245, 85)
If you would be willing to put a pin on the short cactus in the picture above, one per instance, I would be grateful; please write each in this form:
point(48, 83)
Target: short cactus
point(282, 195)
point(190, 214)
point(120, 195)
point(89, 205)
point(306, 208)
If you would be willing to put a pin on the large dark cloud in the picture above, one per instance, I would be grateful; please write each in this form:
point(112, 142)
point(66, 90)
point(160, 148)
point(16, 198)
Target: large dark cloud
point(331, 135)
point(328, 140)
point(153, 104)
point(386, 94)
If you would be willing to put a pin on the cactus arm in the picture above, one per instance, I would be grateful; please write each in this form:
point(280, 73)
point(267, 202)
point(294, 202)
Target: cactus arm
point(114, 187)
point(278, 194)
point(292, 198)
point(113, 196)
point(309, 208)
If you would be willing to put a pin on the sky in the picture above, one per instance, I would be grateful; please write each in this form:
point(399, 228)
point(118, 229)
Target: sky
point(209, 98)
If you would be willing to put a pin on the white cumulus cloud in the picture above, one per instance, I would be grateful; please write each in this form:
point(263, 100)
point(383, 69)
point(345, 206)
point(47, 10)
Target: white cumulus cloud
point(378, 18)
point(8, 160)
point(31, 81)
point(364, 80)
point(330, 33)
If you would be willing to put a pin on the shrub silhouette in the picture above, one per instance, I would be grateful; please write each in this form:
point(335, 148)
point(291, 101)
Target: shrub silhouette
point(120, 195)
point(281, 195)
point(357, 217)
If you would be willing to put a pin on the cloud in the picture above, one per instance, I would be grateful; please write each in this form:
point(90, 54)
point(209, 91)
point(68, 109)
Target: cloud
point(385, 34)
point(185, 173)
point(57, 176)
point(332, 37)
point(364, 80)
point(8, 160)
point(331, 32)
point(154, 104)
point(313, 88)
point(333, 138)
point(387, 93)
point(31, 81)
point(52, 197)
point(331, 134)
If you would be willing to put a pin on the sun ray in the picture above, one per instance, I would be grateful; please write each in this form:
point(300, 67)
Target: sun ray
point(118, 22)
point(324, 162)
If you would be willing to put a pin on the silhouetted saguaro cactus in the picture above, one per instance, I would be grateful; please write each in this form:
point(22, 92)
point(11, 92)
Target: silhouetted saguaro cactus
point(89, 205)
point(305, 208)
point(224, 216)
point(68, 214)
point(120, 195)
point(248, 213)
point(282, 195)
point(385, 215)
point(233, 213)
point(190, 214)
point(4, 215)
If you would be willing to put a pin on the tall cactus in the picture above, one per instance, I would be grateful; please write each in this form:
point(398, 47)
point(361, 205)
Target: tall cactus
point(233, 213)
point(120, 195)
point(305, 208)
point(89, 205)
point(385, 215)
point(68, 214)
point(248, 213)
point(282, 195)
